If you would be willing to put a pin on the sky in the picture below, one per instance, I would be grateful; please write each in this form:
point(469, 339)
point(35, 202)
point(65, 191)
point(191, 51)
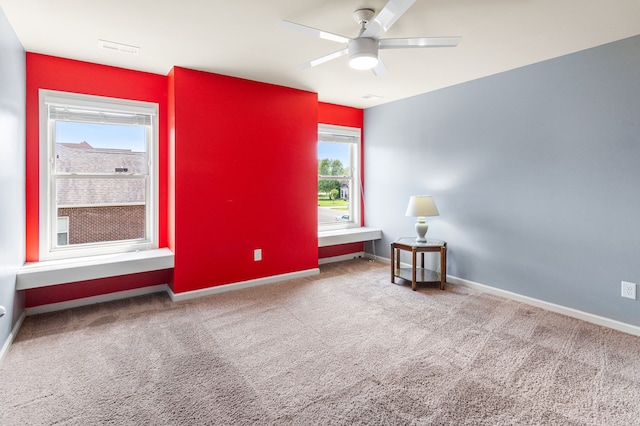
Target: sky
point(102, 135)
point(334, 151)
point(132, 137)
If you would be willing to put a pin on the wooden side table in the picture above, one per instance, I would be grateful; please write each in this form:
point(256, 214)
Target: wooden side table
point(417, 274)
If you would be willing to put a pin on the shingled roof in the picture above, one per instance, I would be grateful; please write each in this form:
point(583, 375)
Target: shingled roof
point(90, 191)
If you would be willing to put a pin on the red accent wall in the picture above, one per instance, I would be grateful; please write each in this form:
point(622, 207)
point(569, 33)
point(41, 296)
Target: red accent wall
point(340, 250)
point(49, 72)
point(237, 172)
point(78, 290)
point(171, 169)
point(245, 178)
point(339, 115)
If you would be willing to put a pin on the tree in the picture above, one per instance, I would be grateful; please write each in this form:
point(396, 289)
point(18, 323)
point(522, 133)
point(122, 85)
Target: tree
point(328, 167)
point(324, 167)
point(337, 169)
point(326, 186)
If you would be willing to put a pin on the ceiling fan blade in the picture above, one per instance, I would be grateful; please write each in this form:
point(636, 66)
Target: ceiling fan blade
point(403, 43)
point(386, 18)
point(313, 31)
point(380, 69)
point(322, 59)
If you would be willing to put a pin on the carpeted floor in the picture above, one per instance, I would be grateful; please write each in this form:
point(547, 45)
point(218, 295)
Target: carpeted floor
point(343, 347)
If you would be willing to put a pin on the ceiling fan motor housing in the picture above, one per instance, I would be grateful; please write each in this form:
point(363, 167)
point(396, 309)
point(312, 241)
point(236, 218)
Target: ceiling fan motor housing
point(363, 53)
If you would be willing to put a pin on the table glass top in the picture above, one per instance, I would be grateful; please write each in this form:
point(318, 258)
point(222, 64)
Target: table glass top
point(411, 241)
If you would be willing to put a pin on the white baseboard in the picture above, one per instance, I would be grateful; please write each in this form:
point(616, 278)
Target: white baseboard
point(177, 297)
point(564, 310)
point(341, 258)
point(14, 332)
point(52, 307)
point(574, 313)
point(379, 258)
point(570, 312)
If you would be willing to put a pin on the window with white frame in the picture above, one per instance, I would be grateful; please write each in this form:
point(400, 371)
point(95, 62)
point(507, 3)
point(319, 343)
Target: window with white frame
point(98, 175)
point(63, 231)
point(338, 177)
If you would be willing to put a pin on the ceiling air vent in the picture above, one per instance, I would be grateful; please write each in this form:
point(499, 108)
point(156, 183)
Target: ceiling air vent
point(118, 47)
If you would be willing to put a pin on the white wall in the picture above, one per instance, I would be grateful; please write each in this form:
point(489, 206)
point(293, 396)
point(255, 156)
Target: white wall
point(12, 174)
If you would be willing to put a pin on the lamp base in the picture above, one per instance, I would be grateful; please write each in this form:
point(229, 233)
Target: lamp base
point(421, 229)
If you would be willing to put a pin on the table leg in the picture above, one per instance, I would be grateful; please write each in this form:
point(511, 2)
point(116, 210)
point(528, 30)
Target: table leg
point(413, 269)
point(443, 267)
point(393, 266)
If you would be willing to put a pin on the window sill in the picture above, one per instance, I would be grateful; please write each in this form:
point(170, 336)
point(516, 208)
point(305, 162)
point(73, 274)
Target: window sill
point(348, 235)
point(53, 272)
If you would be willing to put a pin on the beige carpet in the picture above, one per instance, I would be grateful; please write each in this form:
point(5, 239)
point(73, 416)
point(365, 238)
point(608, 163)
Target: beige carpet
point(344, 347)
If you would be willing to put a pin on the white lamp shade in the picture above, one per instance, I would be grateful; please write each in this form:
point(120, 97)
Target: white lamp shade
point(421, 205)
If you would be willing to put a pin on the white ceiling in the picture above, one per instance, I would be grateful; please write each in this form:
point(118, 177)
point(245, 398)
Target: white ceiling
point(240, 38)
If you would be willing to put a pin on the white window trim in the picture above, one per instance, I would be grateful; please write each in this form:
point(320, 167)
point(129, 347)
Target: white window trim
point(355, 168)
point(46, 209)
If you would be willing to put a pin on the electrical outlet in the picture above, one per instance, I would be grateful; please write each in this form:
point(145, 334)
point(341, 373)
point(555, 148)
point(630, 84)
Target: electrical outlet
point(257, 255)
point(629, 290)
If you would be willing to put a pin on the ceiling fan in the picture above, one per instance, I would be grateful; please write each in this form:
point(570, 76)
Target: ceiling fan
point(363, 49)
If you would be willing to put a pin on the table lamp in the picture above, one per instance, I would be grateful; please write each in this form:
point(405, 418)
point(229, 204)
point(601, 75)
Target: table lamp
point(421, 206)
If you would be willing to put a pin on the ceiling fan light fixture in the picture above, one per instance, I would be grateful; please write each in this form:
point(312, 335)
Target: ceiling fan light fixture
point(363, 61)
point(363, 53)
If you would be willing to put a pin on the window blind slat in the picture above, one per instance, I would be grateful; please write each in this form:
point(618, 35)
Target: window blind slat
point(89, 116)
point(330, 137)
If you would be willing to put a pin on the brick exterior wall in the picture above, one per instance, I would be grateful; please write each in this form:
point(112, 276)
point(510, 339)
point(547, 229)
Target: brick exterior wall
point(108, 223)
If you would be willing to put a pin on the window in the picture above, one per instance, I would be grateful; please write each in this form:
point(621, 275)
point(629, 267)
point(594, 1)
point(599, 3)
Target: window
point(98, 180)
point(63, 231)
point(338, 177)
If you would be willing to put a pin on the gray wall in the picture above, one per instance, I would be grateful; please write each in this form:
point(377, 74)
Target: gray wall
point(536, 173)
point(12, 172)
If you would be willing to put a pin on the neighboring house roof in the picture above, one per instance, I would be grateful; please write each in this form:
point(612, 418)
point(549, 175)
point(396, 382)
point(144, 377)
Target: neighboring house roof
point(82, 158)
